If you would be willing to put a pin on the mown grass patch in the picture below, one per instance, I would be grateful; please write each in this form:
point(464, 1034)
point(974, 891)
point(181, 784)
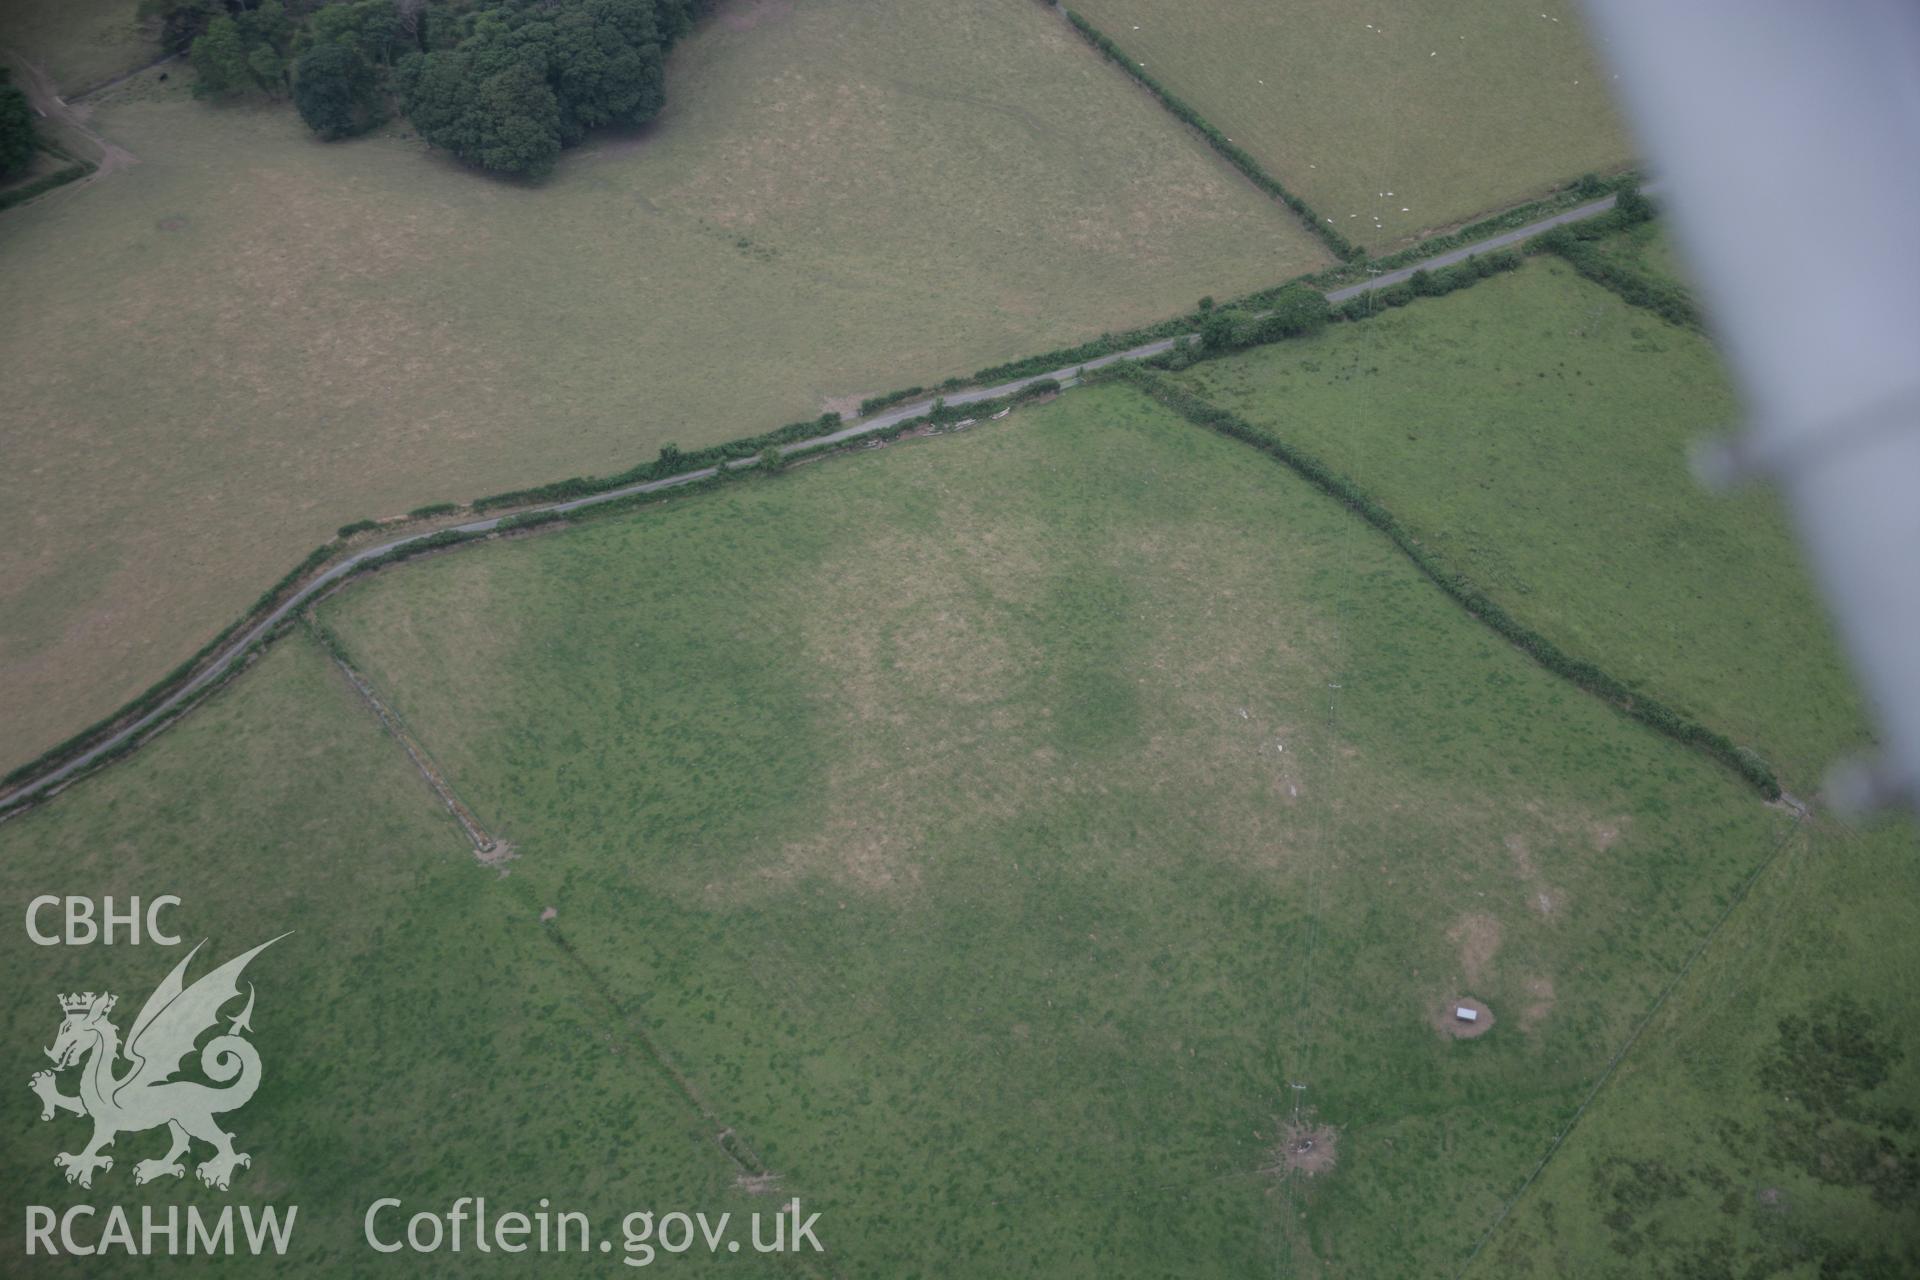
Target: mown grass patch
point(998, 827)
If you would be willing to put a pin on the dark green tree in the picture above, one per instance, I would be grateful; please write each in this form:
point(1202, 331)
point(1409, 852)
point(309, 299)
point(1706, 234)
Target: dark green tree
point(335, 91)
point(16, 127)
point(502, 84)
point(220, 61)
point(243, 53)
point(605, 65)
point(1633, 206)
point(182, 21)
point(1297, 311)
point(374, 29)
point(491, 111)
point(1216, 329)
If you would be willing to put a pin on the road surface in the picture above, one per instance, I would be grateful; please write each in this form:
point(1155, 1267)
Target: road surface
point(231, 653)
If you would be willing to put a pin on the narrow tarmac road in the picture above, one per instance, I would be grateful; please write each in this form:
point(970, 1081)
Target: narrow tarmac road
point(1066, 376)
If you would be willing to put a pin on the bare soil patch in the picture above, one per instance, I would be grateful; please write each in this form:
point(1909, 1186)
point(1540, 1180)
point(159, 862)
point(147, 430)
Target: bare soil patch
point(1448, 1023)
point(847, 406)
point(495, 853)
point(1305, 1148)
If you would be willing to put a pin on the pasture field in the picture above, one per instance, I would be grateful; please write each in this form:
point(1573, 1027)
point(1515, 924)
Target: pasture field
point(249, 338)
point(418, 1034)
point(994, 829)
point(1535, 431)
point(1394, 120)
point(1724, 1144)
point(80, 43)
point(1764, 1124)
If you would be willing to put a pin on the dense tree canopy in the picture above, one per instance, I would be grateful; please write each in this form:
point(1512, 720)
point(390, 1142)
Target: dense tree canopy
point(502, 84)
point(599, 63)
point(243, 52)
point(335, 91)
point(490, 110)
point(16, 128)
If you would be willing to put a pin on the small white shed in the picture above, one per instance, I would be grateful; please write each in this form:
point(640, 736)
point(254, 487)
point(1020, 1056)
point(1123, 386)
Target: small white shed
point(1466, 1015)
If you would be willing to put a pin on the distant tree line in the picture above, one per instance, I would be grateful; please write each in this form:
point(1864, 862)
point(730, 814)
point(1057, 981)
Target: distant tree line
point(505, 85)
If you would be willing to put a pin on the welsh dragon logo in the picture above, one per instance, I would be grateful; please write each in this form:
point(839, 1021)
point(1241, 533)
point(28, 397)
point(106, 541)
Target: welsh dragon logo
point(173, 1019)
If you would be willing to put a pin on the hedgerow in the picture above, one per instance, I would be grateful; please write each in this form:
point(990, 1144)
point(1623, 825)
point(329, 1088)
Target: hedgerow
point(1586, 187)
point(874, 404)
point(76, 169)
point(1586, 675)
point(673, 461)
point(1235, 155)
point(166, 686)
point(1578, 246)
point(1299, 311)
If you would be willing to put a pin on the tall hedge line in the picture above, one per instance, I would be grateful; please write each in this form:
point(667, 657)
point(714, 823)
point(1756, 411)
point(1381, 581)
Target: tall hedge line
point(1430, 284)
point(1669, 301)
point(1578, 245)
point(1587, 675)
point(1235, 155)
point(1581, 190)
point(874, 404)
point(1176, 326)
point(1300, 312)
point(672, 461)
point(26, 191)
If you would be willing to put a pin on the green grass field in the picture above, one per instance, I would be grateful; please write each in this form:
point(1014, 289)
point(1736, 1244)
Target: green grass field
point(80, 43)
point(1534, 430)
point(996, 827)
point(250, 338)
point(1393, 120)
point(1696, 1161)
point(420, 1036)
point(1007, 840)
point(1723, 1146)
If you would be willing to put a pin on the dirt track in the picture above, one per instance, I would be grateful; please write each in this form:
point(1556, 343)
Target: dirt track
point(106, 157)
